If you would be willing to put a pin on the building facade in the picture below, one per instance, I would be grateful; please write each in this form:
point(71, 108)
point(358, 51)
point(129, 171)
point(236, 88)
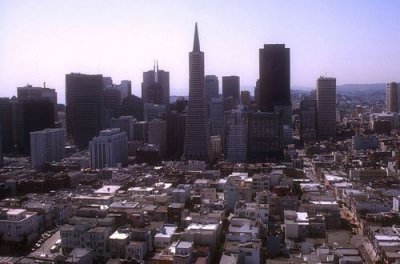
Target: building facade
point(197, 139)
point(109, 149)
point(84, 106)
point(326, 107)
point(211, 87)
point(392, 97)
point(46, 146)
point(236, 135)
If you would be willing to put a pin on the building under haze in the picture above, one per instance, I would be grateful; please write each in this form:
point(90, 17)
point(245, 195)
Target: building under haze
point(125, 88)
point(274, 81)
point(236, 135)
point(31, 115)
point(30, 92)
point(6, 136)
point(46, 146)
point(157, 135)
point(308, 119)
point(155, 87)
point(326, 107)
point(392, 97)
point(197, 139)
point(211, 87)
point(231, 91)
point(84, 107)
point(265, 136)
point(109, 149)
point(133, 106)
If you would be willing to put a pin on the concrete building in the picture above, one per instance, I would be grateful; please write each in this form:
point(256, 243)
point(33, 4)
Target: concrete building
point(308, 119)
point(125, 124)
point(326, 107)
point(392, 97)
point(197, 139)
point(157, 135)
point(109, 149)
point(265, 136)
point(17, 225)
point(236, 135)
point(46, 146)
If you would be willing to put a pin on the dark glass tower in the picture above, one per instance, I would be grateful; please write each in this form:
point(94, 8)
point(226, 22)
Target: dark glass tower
point(84, 106)
point(155, 86)
point(197, 139)
point(274, 77)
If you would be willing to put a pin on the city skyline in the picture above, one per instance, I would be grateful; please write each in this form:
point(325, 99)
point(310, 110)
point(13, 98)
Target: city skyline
point(341, 39)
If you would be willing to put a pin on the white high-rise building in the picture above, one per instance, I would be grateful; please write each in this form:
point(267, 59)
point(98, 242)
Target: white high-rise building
point(236, 135)
point(109, 149)
point(46, 146)
point(326, 107)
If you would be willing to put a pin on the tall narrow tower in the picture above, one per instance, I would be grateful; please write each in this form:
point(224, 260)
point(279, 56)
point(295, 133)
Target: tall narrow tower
point(197, 140)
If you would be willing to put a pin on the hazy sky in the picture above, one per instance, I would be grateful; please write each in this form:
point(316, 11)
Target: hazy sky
point(40, 41)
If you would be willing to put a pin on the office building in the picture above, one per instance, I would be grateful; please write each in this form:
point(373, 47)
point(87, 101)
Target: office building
point(245, 98)
point(84, 107)
point(133, 106)
point(30, 92)
point(125, 124)
point(274, 76)
point(197, 139)
point(109, 149)
point(140, 131)
point(46, 146)
point(236, 135)
point(217, 117)
point(231, 87)
point(392, 97)
point(157, 135)
point(265, 136)
point(152, 111)
point(274, 81)
point(257, 93)
point(1, 150)
point(31, 115)
point(112, 101)
point(6, 125)
point(211, 87)
point(155, 86)
point(176, 124)
point(125, 88)
point(308, 119)
point(326, 107)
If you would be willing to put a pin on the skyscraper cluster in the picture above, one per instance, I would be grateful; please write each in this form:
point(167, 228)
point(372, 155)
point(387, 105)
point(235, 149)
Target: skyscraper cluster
point(208, 124)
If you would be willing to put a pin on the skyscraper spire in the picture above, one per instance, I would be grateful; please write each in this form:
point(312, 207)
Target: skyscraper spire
point(196, 42)
point(197, 138)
